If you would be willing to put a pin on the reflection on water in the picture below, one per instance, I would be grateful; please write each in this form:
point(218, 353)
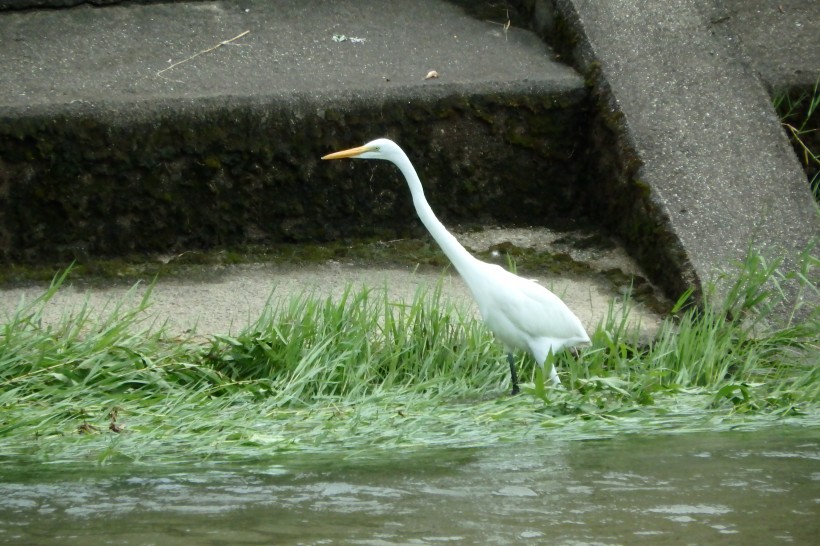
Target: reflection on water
point(722, 488)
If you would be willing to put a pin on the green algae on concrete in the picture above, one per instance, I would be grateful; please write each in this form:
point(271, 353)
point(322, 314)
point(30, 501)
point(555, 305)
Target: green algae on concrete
point(411, 252)
point(94, 183)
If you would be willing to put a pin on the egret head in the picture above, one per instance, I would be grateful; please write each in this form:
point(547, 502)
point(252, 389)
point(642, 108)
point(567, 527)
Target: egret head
point(381, 148)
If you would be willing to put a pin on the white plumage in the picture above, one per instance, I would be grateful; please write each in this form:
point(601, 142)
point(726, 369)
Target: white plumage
point(520, 313)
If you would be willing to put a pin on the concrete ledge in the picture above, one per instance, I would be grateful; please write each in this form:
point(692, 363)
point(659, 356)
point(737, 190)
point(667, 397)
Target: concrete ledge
point(167, 176)
point(162, 127)
point(107, 146)
point(693, 153)
point(777, 38)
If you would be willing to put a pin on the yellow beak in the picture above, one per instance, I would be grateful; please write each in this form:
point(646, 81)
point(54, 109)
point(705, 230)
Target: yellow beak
point(352, 152)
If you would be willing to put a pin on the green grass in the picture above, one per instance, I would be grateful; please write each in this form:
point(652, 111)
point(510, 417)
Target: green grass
point(799, 115)
point(361, 374)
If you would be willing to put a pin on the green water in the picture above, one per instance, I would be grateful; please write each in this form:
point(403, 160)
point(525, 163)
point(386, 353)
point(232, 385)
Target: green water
point(759, 487)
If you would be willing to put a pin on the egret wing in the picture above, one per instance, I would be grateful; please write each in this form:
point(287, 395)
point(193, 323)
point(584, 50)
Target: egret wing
point(534, 310)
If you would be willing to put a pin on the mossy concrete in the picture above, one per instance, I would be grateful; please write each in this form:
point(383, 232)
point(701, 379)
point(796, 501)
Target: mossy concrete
point(38, 4)
point(144, 129)
point(243, 171)
point(104, 154)
point(216, 292)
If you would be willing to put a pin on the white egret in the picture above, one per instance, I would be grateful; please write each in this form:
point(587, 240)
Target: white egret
point(520, 313)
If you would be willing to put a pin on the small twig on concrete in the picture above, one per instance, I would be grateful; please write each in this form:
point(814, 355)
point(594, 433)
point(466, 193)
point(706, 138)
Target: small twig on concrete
point(195, 55)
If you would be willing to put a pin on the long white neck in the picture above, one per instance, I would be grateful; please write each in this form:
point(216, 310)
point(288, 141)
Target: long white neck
point(457, 254)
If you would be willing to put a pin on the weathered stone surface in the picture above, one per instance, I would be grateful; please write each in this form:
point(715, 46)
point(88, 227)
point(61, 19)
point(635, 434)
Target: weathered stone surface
point(693, 155)
point(779, 38)
point(218, 299)
point(155, 127)
point(249, 171)
point(101, 152)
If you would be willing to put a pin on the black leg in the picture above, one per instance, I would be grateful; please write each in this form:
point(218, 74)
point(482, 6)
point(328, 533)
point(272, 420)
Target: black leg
point(513, 375)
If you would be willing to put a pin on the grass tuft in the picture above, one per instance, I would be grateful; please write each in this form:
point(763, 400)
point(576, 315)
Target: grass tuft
point(799, 117)
point(362, 373)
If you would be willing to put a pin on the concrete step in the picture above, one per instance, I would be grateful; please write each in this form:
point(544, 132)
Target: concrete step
point(217, 299)
point(164, 127)
point(170, 126)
